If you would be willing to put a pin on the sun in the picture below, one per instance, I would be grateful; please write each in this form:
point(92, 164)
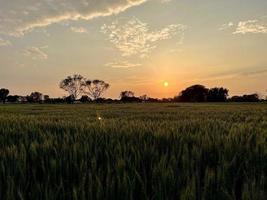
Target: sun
point(166, 84)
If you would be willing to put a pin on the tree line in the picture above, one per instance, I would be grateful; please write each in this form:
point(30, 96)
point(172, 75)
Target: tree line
point(83, 90)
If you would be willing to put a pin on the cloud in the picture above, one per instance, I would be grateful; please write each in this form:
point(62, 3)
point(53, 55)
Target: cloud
point(122, 64)
point(36, 53)
point(257, 72)
point(4, 43)
point(234, 74)
point(251, 26)
point(136, 38)
point(17, 18)
point(165, 1)
point(79, 29)
point(226, 26)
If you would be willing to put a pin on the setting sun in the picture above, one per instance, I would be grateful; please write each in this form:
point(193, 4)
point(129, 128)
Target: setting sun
point(166, 84)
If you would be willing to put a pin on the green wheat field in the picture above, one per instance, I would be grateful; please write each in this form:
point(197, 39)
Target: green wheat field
point(133, 151)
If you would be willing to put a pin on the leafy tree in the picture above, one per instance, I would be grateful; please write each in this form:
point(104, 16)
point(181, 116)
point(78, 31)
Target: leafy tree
point(85, 99)
point(251, 98)
point(128, 96)
point(70, 99)
point(12, 98)
point(153, 100)
point(3, 94)
point(217, 94)
point(74, 85)
point(46, 99)
point(56, 100)
point(195, 93)
point(144, 97)
point(35, 97)
point(95, 88)
point(245, 98)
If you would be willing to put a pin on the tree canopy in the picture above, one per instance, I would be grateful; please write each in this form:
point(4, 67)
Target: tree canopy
point(195, 93)
point(78, 86)
point(95, 88)
point(3, 94)
point(74, 85)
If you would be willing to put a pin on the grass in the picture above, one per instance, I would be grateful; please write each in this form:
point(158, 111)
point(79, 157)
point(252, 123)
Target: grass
point(133, 151)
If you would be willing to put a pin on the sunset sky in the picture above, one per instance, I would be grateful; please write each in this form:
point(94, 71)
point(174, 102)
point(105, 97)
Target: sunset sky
point(137, 45)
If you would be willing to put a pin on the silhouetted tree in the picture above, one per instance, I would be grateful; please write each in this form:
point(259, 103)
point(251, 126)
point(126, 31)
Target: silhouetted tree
point(85, 99)
point(56, 100)
point(217, 94)
point(153, 100)
point(195, 93)
point(251, 98)
point(245, 98)
point(166, 100)
point(109, 101)
point(144, 98)
point(12, 98)
point(3, 94)
point(177, 98)
point(236, 99)
point(100, 100)
point(70, 99)
point(35, 97)
point(74, 85)
point(95, 88)
point(126, 94)
point(46, 99)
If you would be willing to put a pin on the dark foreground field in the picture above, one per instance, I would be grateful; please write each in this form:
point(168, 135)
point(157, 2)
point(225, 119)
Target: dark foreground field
point(145, 151)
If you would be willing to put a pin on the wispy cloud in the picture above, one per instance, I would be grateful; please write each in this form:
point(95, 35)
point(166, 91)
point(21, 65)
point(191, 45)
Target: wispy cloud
point(226, 26)
point(251, 26)
point(165, 1)
point(249, 72)
point(136, 38)
point(78, 29)
point(36, 53)
point(253, 73)
point(4, 43)
point(248, 26)
point(122, 64)
point(18, 18)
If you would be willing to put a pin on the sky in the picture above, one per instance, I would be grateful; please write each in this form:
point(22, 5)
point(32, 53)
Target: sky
point(135, 45)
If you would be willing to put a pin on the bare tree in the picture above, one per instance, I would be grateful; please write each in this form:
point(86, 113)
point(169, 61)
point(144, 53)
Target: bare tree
point(74, 85)
point(96, 88)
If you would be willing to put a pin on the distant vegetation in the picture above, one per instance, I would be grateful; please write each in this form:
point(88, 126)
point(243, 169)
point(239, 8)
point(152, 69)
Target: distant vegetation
point(83, 90)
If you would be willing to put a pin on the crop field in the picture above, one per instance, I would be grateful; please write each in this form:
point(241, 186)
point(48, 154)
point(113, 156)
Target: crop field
point(134, 151)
